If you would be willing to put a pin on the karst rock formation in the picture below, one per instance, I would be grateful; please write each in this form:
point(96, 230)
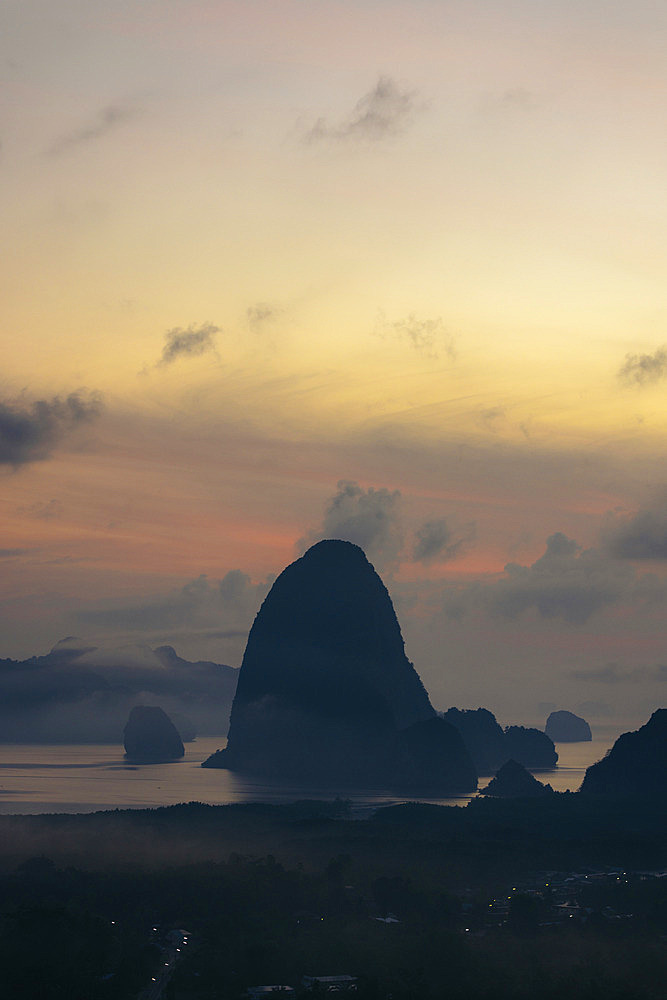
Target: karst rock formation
point(566, 727)
point(635, 765)
point(513, 781)
point(326, 691)
point(151, 736)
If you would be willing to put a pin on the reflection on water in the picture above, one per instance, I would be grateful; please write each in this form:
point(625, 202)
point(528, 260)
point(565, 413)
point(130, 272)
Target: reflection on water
point(85, 778)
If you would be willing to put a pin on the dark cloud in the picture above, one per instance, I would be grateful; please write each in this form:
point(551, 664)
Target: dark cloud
point(436, 540)
point(369, 518)
point(643, 536)
point(12, 553)
point(384, 111)
point(190, 343)
point(643, 369)
point(29, 433)
point(427, 337)
point(613, 674)
point(105, 121)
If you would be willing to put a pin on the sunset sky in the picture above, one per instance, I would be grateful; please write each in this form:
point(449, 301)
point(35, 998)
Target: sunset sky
point(387, 270)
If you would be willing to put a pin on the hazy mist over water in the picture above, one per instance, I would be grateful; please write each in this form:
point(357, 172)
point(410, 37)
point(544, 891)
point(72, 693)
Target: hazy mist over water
point(81, 778)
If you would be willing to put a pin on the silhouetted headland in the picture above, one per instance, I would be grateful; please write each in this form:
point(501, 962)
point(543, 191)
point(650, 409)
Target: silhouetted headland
point(513, 781)
point(635, 765)
point(150, 736)
point(326, 691)
point(566, 727)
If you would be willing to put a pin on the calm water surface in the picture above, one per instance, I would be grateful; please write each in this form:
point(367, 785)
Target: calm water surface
point(85, 778)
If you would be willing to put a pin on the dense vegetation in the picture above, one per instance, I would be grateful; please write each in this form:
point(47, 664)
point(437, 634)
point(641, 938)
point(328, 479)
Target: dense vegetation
point(272, 893)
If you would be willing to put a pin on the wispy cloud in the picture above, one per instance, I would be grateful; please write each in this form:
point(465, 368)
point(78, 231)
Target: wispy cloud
point(514, 99)
point(492, 416)
point(384, 111)
point(190, 343)
point(43, 510)
point(644, 369)
point(613, 674)
point(428, 337)
point(105, 121)
point(261, 314)
point(436, 541)
point(29, 433)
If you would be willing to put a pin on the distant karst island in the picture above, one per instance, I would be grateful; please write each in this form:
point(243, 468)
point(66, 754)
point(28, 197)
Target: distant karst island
point(151, 737)
point(566, 727)
point(326, 692)
point(491, 746)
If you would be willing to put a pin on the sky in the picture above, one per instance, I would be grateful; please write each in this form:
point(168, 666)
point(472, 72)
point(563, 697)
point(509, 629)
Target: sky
point(278, 270)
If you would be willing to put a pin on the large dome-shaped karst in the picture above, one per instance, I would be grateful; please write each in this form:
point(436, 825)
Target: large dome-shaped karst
point(325, 684)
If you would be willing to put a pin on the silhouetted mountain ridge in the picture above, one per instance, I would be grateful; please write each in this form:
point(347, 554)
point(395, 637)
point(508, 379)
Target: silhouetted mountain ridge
point(83, 693)
point(635, 765)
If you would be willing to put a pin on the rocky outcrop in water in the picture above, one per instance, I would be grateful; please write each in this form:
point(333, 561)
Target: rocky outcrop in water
point(566, 727)
point(490, 746)
point(635, 765)
point(530, 747)
point(150, 736)
point(326, 691)
point(513, 781)
point(482, 735)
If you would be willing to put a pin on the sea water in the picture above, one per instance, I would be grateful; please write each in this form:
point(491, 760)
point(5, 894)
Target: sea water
point(79, 778)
